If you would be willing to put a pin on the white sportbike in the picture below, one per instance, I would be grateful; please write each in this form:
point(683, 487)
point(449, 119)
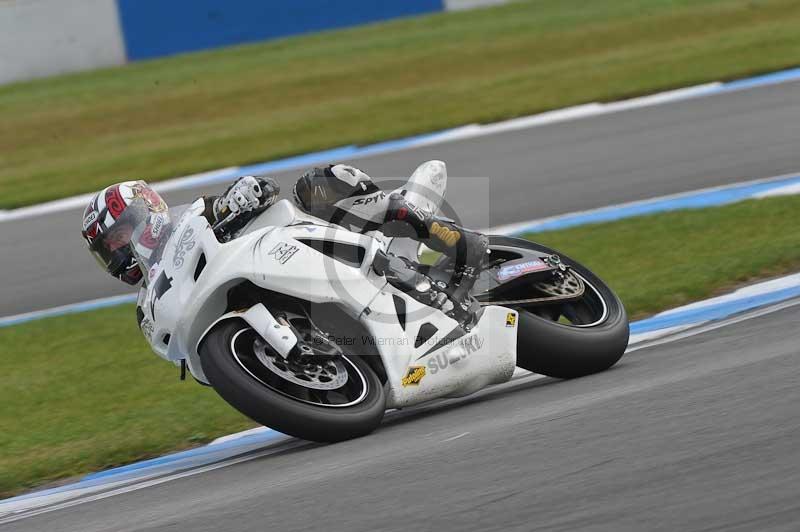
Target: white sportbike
point(315, 330)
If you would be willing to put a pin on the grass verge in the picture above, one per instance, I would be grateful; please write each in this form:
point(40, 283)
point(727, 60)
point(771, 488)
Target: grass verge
point(82, 392)
point(196, 112)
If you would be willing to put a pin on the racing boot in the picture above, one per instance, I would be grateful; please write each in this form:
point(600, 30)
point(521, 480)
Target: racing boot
point(468, 249)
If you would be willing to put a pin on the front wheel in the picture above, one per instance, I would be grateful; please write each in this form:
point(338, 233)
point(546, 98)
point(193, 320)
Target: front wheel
point(569, 339)
point(327, 398)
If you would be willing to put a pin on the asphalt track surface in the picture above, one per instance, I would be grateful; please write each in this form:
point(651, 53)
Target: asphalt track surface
point(533, 173)
point(698, 434)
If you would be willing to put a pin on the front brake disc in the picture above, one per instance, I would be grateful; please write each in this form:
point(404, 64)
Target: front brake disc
point(316, 372)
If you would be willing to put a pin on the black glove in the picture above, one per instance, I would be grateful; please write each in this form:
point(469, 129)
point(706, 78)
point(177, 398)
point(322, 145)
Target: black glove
point(467, 248)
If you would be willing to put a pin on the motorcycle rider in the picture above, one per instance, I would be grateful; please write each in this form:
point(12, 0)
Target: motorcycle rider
point(347, 196)
point(337, 193)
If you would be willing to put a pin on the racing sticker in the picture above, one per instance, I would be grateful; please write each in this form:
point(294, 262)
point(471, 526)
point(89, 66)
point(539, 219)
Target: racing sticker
point(283, 252)
point(157, 227)
point(183, 246)
point(511, 319)
point(89, 220)
point(413, 376)
point(510, 271)
point(461, 351)
point(147, 329)
point(374, 198)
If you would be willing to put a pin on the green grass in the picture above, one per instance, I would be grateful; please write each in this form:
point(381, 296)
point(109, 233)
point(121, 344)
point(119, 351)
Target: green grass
point(83, 392)
point(196, 112)
point(80, 393)
point(666, 260)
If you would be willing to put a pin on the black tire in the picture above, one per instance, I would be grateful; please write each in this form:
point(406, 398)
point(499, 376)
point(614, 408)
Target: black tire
point(280, 412)
point(563, 351)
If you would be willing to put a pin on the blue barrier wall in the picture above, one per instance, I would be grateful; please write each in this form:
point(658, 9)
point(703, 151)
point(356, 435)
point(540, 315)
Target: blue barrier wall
point(154, 28)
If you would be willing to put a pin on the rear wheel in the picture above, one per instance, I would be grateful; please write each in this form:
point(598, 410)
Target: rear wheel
point(574, 337)
point(327, 396)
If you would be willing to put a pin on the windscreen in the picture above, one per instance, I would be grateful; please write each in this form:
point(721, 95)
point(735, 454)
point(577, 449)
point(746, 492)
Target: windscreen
point(151, 235)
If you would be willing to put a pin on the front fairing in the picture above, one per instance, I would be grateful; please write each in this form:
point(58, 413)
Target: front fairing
point(159, 298)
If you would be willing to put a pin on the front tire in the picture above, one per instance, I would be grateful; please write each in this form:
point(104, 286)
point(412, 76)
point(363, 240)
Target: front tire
point(243, 390)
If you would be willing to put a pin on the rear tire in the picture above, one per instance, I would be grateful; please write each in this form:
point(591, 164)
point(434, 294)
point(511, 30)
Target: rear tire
point(283, 413)
point(565, 351)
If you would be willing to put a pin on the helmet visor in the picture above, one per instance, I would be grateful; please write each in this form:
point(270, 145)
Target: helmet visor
point(112, 248)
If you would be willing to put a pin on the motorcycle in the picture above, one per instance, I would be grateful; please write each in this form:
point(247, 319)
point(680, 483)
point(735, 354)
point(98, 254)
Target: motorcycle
point(314, 330)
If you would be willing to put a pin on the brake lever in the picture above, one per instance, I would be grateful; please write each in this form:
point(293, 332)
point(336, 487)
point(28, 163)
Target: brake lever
point(219, 226)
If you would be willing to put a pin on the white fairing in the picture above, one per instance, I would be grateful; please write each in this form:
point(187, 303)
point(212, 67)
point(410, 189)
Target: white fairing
point(179, 309)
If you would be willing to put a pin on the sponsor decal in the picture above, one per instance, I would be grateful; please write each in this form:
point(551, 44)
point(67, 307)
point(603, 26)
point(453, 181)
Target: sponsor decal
point(183, 246)
point(413, 376)
point(462, 350)
point(446, 235)
point(147, 328)
point(370, 199)
point(89, 220)
point(283, 252)
point(511, 319)
point(158, 226)
point(521, 268)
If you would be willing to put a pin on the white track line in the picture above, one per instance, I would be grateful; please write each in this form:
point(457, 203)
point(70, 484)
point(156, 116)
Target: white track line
point(519, 377)
point(694, 331)
point(461, 133)
point(517, 227)
point(152, 482)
